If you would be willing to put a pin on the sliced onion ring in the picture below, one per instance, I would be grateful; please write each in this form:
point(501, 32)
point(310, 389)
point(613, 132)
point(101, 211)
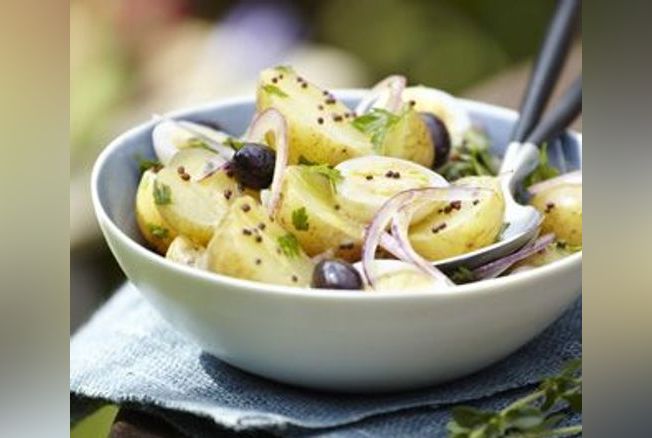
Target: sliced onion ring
point(497, 267)
point(375, 232)
point(395, 84)
point(216, 146)
point(574, 177)
point(271, 120)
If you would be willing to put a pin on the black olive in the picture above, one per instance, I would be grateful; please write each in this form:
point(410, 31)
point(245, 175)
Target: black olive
point(253, 165)
point(336, 274)
point(440, 138)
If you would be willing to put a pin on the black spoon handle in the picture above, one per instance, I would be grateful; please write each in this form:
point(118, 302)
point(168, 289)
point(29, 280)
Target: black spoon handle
point(548, 66)
point(561, 116)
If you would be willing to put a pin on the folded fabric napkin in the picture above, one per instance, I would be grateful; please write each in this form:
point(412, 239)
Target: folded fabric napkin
point(128, 354)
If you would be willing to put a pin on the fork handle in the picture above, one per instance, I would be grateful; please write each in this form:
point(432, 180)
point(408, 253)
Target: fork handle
point(561, 116)
point(548, 66)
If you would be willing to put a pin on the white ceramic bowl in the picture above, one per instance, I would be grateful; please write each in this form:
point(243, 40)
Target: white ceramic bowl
point(334, 340)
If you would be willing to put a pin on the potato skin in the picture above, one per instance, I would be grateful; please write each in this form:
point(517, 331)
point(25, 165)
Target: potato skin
point(328, 227)
point(467, 229)
point(562, 209)
point(241, 247)
point(410, 139)
point(155, 230)
point(195, 206)
point(330, 142)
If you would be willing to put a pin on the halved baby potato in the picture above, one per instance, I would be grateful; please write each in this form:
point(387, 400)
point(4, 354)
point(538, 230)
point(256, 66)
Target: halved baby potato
point(410, 139)
point(462, 226)
point(248, 244)
point(309, 194)
point(562, 210)
point(319, 125)
point(193, 207)
point(157, 232)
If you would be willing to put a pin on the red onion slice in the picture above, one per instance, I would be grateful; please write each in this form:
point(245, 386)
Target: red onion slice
point(497, 267)
point(401, 246)
point(394, 84)
point(271, 120)
point(567, 178)
point(189, 127)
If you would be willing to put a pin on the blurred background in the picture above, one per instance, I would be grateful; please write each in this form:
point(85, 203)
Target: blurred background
point(132, 58)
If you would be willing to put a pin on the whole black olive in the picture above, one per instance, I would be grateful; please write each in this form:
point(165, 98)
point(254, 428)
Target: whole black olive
point(253, 165)
point(440, 138)
point(336, 274)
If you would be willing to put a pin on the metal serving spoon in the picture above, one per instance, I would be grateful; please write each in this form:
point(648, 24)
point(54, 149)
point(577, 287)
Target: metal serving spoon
point(522, 154)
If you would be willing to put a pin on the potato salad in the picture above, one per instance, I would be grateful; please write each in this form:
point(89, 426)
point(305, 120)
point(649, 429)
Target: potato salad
point(318, 194)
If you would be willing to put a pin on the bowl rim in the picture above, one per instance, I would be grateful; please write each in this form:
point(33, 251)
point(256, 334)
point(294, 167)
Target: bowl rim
point(490, 286)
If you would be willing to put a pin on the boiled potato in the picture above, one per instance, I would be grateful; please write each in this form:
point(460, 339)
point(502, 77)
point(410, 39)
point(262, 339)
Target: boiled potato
point(248, 244)
point(185, 251)
point(319, 125)
point(156, 231)
point(562, 209)
point(458, 228)
point(308, 194)
point(410, 139)
point(192, 207)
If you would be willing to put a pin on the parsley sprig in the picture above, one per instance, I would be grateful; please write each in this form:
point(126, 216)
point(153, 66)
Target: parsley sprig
point(333, 175)
point(274, 90)
point(472, 158)
point(289, 245)
point(300, 219)
point(144, 164)
point(536, 415)
point(376, 123)
point(543, 171)
point(162, 194)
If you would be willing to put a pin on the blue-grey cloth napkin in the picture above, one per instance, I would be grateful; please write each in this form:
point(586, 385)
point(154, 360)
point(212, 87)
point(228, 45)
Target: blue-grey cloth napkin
point(126, 354)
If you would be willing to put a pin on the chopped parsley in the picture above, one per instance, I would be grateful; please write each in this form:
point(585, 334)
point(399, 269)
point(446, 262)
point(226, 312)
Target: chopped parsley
point(543, 171)
point(234, 143)
point(162, 194)
point(289, 245)
point(284, 69)
point(300, 219)
point(472, 158)
point(306, 162)
point(274, 90)
point(330, 173)
point(144, 164)
point(158, 231)
point(462, 275)
point(198, 143)
point(376, 123)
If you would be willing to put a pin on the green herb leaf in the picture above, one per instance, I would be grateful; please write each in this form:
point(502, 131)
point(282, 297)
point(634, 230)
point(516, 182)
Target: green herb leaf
point(289, 245)
point(162, 194)
point(198, 143)
point(376, 123)
point(158, 231)
point(527, 417)
point(300, 219)
point(234, 143)
point(543, 171)
point(274, 90)
point(306, 162)
point(472, 158)
point(144, 164)
point(333, 175)
point(284, 68)
point(462, 275)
